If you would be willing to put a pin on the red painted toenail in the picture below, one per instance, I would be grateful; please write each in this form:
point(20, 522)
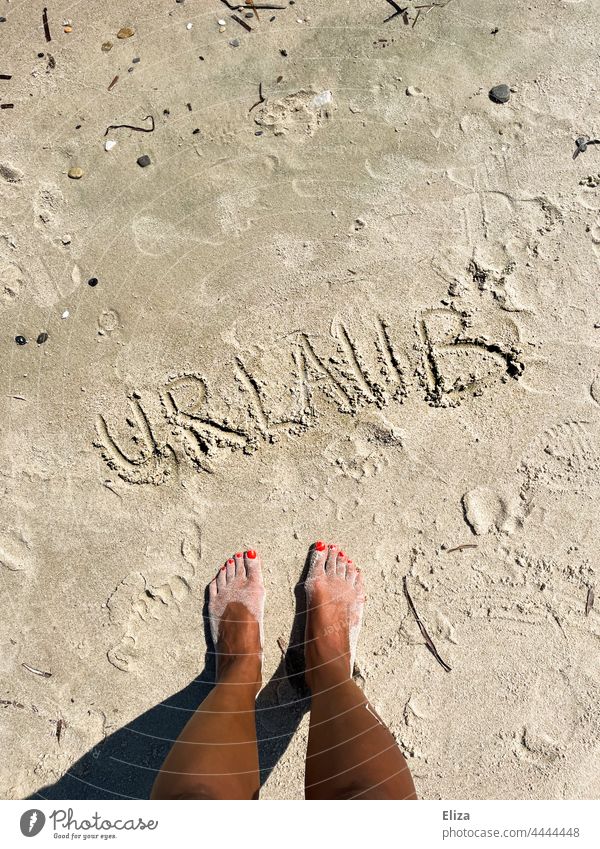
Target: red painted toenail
point(342, 554)
point(349, 563)
point(231, 562)
point(251, 554)
point(239, 554)
point(332, 547)
point(320, 546)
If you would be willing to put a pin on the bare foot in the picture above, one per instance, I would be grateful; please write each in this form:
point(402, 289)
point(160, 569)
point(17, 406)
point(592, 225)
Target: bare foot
point(335, 601)
point(235, 610)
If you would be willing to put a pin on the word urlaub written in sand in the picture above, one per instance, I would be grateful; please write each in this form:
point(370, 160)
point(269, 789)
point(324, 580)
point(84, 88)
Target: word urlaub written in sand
point(447, 363)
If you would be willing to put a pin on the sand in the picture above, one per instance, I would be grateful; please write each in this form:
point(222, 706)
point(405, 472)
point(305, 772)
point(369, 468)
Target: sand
point(350, 313)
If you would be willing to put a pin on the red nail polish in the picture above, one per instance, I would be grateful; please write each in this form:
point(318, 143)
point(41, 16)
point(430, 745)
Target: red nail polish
point(320, 546)
point(251, 554)
point(239, 554)
point(349, 563)
point(231, 562)
point(342, 554)
point(332, 547)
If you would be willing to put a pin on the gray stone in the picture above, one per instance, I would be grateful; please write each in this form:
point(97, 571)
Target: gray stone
point(500, 93)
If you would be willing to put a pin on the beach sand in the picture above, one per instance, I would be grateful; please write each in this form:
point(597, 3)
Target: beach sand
point(350, 298)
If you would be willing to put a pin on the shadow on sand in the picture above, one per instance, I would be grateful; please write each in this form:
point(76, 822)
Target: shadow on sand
point(124, 765)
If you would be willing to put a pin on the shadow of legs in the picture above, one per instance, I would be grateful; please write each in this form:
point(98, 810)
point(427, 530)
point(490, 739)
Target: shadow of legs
point(125, 764)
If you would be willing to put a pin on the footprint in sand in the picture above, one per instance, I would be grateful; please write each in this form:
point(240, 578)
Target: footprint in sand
point(143, 599)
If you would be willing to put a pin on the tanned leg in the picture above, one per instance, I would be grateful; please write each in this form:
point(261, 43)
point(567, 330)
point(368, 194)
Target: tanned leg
point(215, 756)
point(351, 754)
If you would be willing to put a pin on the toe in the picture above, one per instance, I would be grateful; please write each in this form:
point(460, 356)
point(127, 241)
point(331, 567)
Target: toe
point(240, 569)
point(351, 571)
point(230, 569)
point(221, 578)
point(359, 584)
point(212, 588)
point(331, 564)
point(253, 565)
point(318, 556)
point(341, 564)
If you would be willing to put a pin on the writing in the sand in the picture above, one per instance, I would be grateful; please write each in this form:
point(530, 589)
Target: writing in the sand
point(196, 421)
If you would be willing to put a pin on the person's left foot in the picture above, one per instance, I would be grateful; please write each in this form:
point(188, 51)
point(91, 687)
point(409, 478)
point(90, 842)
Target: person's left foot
point(235, 610)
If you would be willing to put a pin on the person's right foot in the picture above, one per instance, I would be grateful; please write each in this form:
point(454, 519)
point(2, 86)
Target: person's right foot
point(335, 601)
point(235, 609)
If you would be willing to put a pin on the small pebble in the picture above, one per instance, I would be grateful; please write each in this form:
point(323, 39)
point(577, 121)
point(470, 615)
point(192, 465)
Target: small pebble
point(65, 314)
point(144, 160)
point(75, 173)
point(66, 239)
point(189, 25)
point(283, 52)
point(20, 340)
point(413, 91)
point(135, 60)
point(221, 22)
point(221, 29)
point(2, 19)
point(125, 32)
point(109, 144)
point(500, 93)
point(68, 29)
point(107, 46)
point(93, 281)
point(249, 15)
point(235, 42)
point(43, 337)
point(196, 131)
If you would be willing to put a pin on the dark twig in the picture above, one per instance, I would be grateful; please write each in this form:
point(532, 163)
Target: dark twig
point(399, 11)
point(7, 105)
point(589, 602)
point(236, 7)
point(113, 83)
point(403, 11)
point(131, 127)
point(242, 23)
point(423, 630)
point(60, 724)
point(46, 24)
point(260, 100)
point(5, 76)
point(461, 547)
